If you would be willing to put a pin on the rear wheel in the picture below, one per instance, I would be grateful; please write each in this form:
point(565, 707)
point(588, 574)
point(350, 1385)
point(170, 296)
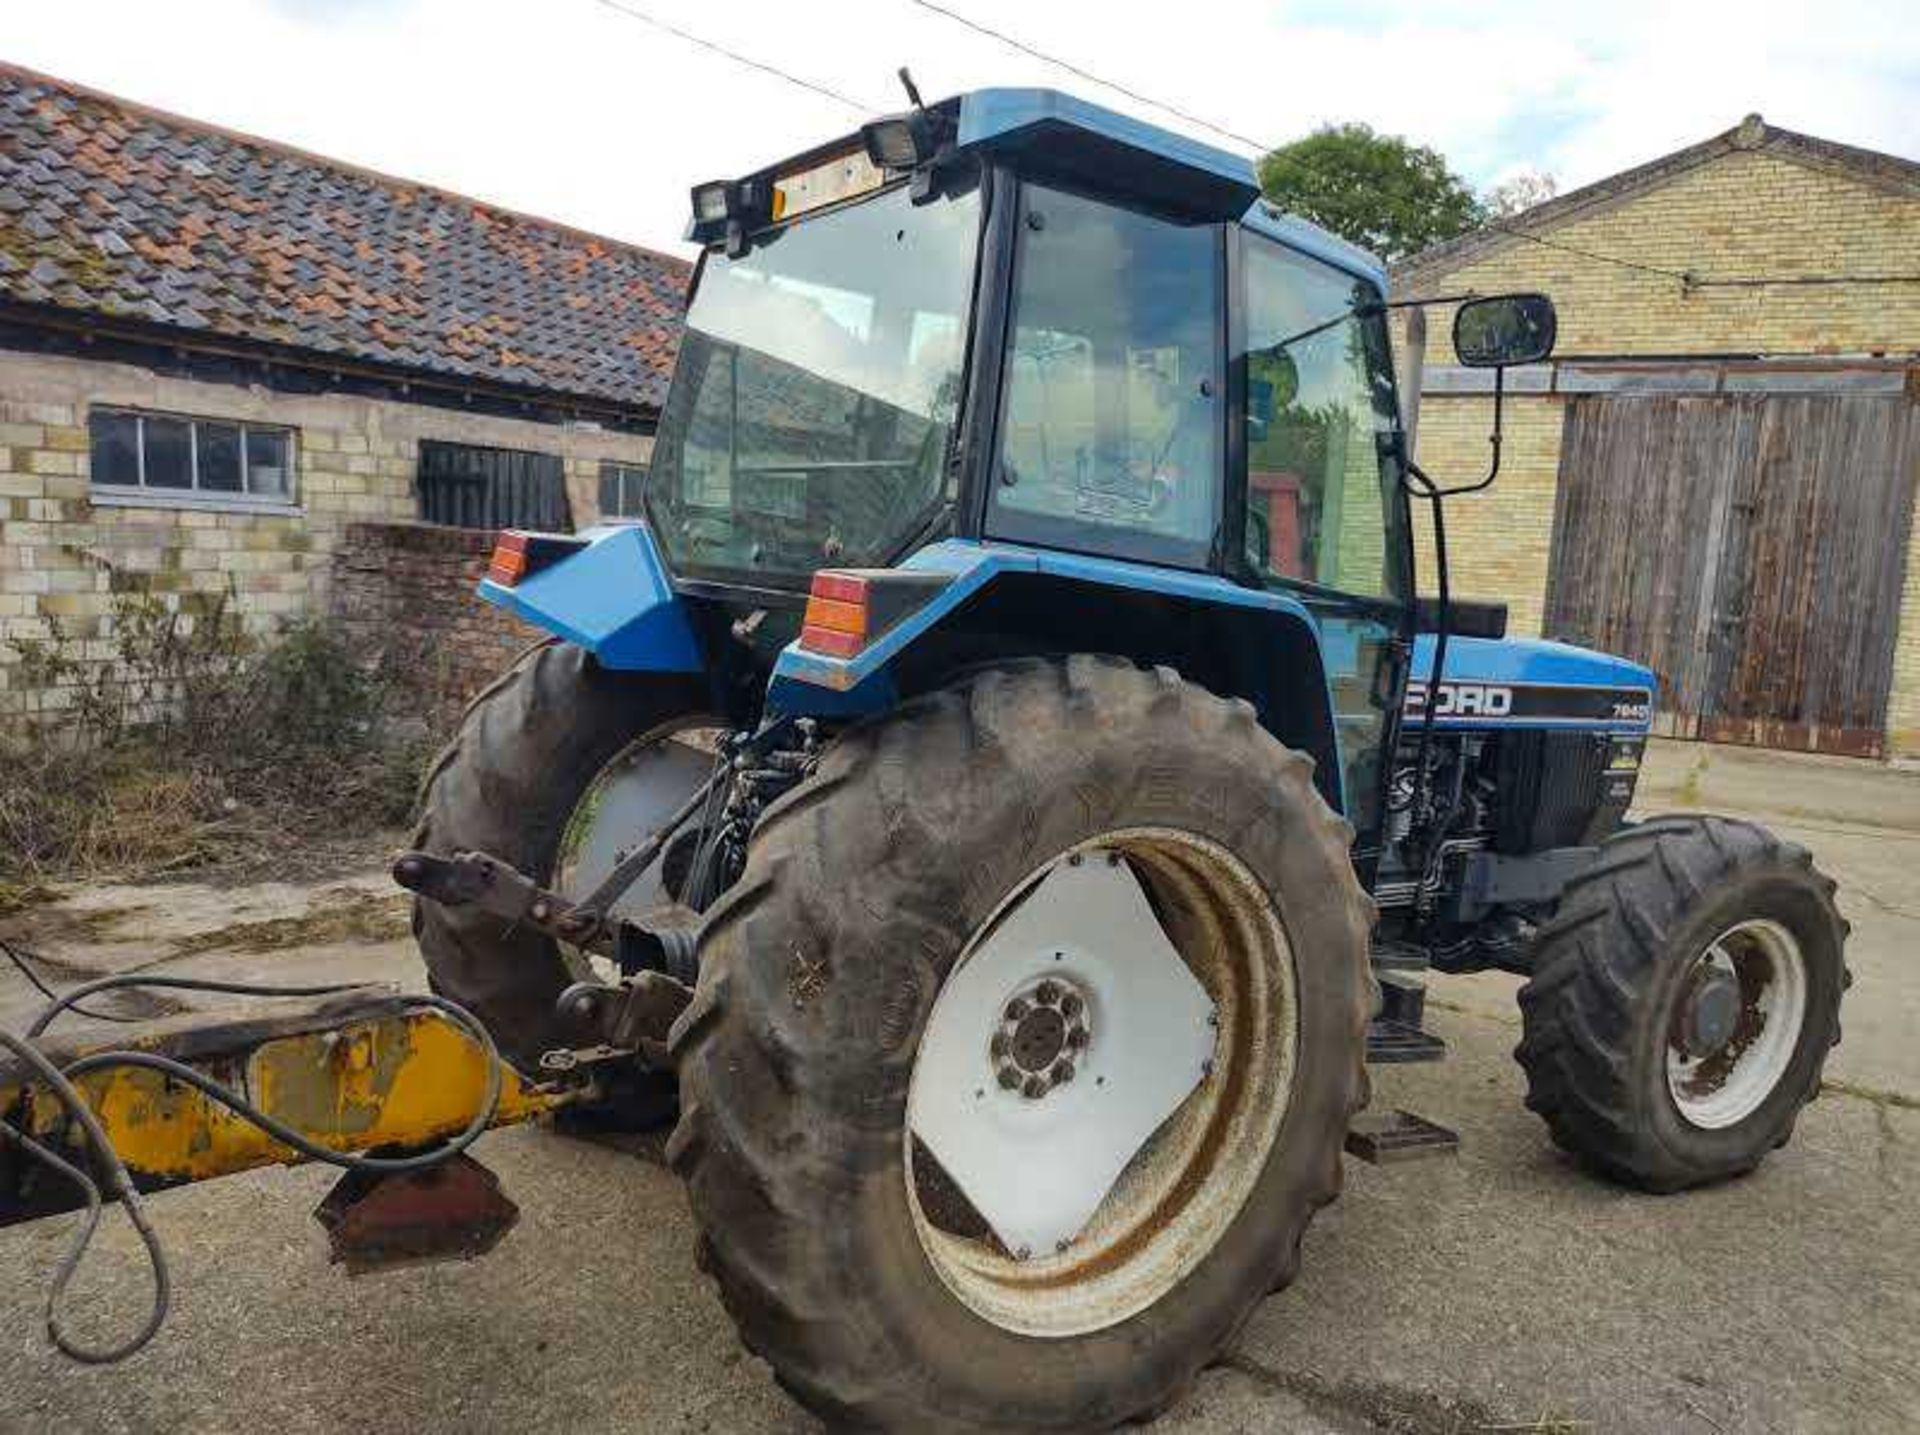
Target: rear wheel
point(1683, 1001)
point(556, 766)
point(1024, 1051)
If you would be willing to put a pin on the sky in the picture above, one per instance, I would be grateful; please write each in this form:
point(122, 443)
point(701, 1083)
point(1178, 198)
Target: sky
point(576, 111)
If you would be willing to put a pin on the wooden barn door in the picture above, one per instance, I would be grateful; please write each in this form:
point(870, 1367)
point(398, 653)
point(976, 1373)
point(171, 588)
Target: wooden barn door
point(1749, 548)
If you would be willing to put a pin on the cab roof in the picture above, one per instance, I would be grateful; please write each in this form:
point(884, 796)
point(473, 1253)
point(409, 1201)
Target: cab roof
point(1118, 151)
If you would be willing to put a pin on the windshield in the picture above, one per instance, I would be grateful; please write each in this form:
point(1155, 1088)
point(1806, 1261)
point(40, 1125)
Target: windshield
point(816, 388)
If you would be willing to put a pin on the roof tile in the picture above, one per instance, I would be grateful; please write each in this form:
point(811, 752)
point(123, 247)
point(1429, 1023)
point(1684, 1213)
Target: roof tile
point(205, 229)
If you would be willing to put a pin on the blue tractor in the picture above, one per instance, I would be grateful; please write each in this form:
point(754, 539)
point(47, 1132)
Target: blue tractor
point(1008, 790)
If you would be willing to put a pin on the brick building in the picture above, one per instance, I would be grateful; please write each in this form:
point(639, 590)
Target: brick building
point(1716, 472)
point(227, 366)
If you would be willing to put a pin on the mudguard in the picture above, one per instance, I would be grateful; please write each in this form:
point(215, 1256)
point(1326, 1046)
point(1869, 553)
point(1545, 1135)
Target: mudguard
point(614, 598)
point(808, 683)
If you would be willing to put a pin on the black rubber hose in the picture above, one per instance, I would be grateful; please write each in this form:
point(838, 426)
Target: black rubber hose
point(119, 1185)
point(119, 1182)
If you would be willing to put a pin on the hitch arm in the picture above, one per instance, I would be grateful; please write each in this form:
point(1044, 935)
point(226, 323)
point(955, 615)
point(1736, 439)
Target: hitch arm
point(477, 879)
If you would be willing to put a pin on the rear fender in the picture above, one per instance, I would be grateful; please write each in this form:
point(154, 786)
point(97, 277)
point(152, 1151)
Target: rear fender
point(1003, 600)
point(613, 598)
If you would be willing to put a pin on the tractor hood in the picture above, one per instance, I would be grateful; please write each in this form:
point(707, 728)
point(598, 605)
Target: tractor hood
point(1532, 682)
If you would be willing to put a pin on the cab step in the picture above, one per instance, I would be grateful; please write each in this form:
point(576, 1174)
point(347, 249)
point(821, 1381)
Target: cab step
point(1398, 1033)
point(1394, 1043)
point(1392, 956)
point(1384, 1138)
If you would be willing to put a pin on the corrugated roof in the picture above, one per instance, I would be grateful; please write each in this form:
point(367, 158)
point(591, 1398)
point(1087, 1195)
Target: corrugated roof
point(111, 208)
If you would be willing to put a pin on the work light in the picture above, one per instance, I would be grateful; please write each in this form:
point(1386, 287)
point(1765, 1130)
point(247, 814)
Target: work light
point(710, 202)
point(899, 142)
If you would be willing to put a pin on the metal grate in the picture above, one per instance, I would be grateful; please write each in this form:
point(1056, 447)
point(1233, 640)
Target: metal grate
point(463, 486)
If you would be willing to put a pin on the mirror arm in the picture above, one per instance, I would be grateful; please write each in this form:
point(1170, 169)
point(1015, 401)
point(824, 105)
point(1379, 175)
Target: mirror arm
point(1493, 441)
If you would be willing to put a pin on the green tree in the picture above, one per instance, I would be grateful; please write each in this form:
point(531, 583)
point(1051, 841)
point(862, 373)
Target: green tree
point(1379, 191)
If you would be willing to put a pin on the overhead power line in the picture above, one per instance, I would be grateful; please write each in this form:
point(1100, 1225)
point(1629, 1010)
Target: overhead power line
point(714, 47)
point(1689, 279)
point(1684, 277)
point(1679, 274)
point(1072, 69)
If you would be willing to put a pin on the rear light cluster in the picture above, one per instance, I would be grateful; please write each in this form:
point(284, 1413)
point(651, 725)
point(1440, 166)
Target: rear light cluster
point(518, 554)
point(836, 621)
point(848, 610)
point(509, 564)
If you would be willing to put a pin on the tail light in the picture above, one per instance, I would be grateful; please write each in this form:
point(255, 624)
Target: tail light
point(509, 563)
point(848, 610)
point(836, 622)
point(518, 554)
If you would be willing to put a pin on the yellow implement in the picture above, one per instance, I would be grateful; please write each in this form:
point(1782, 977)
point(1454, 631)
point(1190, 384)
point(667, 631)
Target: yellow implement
point(361, 1072)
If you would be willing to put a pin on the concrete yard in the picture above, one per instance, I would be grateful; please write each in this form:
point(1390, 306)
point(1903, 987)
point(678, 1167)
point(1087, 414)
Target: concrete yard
point(1500, 1290)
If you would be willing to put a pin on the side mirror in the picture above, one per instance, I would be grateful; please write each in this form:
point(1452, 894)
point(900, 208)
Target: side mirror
point(1505, 329)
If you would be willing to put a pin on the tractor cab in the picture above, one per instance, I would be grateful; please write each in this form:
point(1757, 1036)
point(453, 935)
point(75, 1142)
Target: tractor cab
point(1015, 323)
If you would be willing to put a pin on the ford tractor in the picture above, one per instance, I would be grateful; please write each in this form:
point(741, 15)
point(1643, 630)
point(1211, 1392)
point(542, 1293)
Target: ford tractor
point(1007, 790)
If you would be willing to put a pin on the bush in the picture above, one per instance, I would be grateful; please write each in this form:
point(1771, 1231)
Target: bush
point(197, 742)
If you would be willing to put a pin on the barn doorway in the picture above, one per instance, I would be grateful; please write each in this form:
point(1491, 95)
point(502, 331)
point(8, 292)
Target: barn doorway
point(1750, 548)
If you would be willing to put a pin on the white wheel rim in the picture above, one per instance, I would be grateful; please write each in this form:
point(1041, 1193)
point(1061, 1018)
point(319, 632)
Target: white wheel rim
point(1184, 1180)
point(627, 801)
point(1721, 1087)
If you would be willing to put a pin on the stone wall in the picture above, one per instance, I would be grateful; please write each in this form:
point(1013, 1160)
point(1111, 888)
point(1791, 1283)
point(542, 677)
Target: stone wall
point(416, 581)
point(66, 553)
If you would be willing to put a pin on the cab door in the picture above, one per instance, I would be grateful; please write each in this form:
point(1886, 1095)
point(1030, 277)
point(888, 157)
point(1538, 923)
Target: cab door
point(1113, 405)
point(1316, 478)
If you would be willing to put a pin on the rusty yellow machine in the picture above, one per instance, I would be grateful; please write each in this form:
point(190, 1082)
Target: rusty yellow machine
point(391, 1087)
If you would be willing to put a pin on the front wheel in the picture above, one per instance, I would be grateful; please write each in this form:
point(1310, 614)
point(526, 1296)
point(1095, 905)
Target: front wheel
point(1683, 1001)
point(1024, 1051)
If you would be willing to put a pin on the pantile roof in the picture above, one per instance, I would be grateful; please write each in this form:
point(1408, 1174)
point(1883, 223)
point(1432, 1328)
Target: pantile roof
point(112, 209)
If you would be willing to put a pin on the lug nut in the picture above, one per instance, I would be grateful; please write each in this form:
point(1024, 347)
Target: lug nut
point(1035, 1088)
point(1070, 1005)
point(1009, 1078)
point(1077, 1038)
point(998, 1046)
point(1062, 1072)
point(1047, 993)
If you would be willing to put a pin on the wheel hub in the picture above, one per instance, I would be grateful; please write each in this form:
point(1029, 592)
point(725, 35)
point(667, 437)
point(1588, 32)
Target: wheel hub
point(1736, 1023)
point(1042, 1036)
point(1037, 1136)
point(1712, 1012)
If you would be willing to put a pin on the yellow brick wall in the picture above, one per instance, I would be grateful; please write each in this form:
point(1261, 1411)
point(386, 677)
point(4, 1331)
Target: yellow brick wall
point(1747, 213)
point(64, 558)
point(1497, 539)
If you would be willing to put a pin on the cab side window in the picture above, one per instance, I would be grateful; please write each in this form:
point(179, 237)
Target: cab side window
point(1320, 421)
point(1110, 430)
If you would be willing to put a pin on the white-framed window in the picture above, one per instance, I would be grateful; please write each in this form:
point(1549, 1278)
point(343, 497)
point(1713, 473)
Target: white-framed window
point(620, 485)
point(142, 457)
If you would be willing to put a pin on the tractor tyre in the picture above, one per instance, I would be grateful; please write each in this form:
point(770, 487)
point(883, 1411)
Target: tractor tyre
point(1683, 1000)
point(875, 895)
point(526, 753)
